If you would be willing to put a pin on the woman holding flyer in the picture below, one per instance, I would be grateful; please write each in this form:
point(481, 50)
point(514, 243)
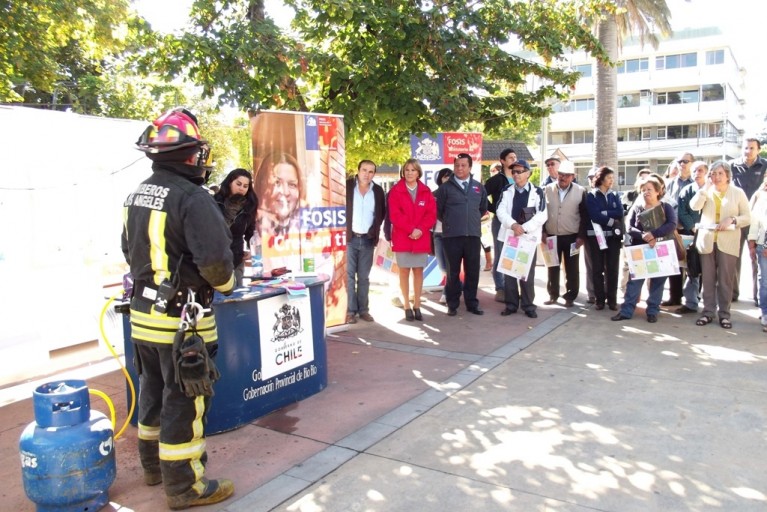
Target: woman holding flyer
point(723, 211)
point(605, 237)
point(652, 190)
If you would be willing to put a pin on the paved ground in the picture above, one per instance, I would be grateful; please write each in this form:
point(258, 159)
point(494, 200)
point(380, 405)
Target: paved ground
point(567, 412)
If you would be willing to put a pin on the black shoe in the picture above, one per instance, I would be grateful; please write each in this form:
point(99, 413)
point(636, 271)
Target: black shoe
point(591, 300)
point(684, 310)
point(671, 302)
point(452, 312)
point(507, 312)
point(551, 301)
point(409, 315)
point(599, 307)
point(417, 314)
point(619, 317)
point(531, 314)
point(476, 311)
point(613, 307)
point(652, 318)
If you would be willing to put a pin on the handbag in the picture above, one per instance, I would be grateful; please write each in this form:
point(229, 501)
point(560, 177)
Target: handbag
point(693, 259)
point(681, 252)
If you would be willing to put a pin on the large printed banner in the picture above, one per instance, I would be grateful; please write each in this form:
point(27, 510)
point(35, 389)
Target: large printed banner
point(434, 153)
point(299, 169)
point(438, 151)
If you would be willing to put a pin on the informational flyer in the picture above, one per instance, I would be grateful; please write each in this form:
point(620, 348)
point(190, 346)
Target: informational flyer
point(549, 253)
point(647, 262)
point(384, 257)
point(517, 256)
point(599, 233)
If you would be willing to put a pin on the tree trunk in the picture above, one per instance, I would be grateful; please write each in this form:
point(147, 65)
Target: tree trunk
point(606, 129)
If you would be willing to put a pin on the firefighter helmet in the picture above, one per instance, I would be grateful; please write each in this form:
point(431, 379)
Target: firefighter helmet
point(172, 137)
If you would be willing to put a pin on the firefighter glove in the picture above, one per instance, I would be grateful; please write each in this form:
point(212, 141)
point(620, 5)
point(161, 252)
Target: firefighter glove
point(195, 370)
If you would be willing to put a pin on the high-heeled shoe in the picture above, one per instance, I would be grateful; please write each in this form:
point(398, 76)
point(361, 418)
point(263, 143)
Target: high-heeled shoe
point(409, 315)
point(417, 314)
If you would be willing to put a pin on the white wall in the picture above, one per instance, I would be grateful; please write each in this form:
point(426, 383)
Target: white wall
point(64, 180)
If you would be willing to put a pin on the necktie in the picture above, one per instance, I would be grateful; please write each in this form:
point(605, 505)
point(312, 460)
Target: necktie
point(465, 185)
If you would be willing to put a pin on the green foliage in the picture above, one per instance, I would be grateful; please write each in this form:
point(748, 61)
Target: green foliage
point(49, 46)
point(391, 68)
point(230, 140)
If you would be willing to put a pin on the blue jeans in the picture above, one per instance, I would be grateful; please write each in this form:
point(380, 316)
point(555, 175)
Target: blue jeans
point(359, 261)
point(762, 261)
point(634, 289)
point(690, 291)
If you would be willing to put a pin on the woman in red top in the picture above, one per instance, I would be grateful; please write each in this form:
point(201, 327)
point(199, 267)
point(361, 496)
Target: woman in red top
point(413, 212)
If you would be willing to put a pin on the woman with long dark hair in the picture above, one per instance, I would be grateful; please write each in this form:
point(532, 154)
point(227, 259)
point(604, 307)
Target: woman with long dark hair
point(238, 204)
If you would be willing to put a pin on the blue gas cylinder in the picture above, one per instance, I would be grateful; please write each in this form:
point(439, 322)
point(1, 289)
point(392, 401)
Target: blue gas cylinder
point(67, 453)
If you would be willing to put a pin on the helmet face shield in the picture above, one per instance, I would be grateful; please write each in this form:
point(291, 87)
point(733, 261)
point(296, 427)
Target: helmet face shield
point(174, 136)
point(166, 138)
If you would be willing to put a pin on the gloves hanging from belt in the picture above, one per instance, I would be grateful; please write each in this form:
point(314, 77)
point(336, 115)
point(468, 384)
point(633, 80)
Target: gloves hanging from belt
point(195, 370)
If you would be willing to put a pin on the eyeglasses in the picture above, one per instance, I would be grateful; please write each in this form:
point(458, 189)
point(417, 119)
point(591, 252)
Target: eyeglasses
point(517, 171)
point(683, 162)
point(550, 164)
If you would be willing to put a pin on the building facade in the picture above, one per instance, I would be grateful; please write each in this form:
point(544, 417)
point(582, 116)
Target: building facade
point(684, 96)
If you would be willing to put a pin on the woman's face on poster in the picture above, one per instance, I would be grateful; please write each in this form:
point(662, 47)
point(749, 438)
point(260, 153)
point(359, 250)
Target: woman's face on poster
point(283, 190)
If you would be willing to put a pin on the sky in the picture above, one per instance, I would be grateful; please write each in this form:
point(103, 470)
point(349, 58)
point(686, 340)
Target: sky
point(738, 19)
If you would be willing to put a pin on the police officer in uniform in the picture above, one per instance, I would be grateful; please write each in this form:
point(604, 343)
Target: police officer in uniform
point(178, 247)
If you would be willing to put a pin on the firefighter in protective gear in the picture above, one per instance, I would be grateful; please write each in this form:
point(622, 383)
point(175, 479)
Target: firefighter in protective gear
point(178, 247)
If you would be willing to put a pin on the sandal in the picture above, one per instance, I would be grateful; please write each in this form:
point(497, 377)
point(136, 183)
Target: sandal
point(704, 320)
point(725, 323)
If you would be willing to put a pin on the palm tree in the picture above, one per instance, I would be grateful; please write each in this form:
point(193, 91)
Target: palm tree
point(630, 18)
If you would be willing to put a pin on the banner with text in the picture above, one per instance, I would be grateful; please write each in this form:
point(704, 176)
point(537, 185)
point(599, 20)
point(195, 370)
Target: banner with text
point(299, 171)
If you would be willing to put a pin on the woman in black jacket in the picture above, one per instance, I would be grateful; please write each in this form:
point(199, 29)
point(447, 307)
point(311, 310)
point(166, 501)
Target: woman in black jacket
point(238, 204)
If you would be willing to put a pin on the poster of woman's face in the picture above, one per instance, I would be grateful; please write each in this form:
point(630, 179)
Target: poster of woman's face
point(299, 163)
point(279, 186)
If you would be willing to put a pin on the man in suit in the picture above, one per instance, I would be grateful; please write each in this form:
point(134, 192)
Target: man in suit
point(461, 203)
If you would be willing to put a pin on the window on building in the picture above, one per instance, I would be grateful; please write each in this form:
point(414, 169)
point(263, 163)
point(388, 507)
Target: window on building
point(647, 133)
point(689, 96)
point(660, 133)
point(630, 168)
point(712, 130)
point(682, 60)
point(713, 92)
point(688, 60)
point(633, 66)
point(683, 131)
point(628, 100)
point(560, 138)
point(582, 105)
point(584, 70)
point(583, 136)
point(635, 134)
point(676, 97)
point(714, 57)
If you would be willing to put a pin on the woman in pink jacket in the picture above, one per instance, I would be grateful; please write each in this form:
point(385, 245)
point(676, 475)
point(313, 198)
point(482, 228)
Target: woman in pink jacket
point(413, 212)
